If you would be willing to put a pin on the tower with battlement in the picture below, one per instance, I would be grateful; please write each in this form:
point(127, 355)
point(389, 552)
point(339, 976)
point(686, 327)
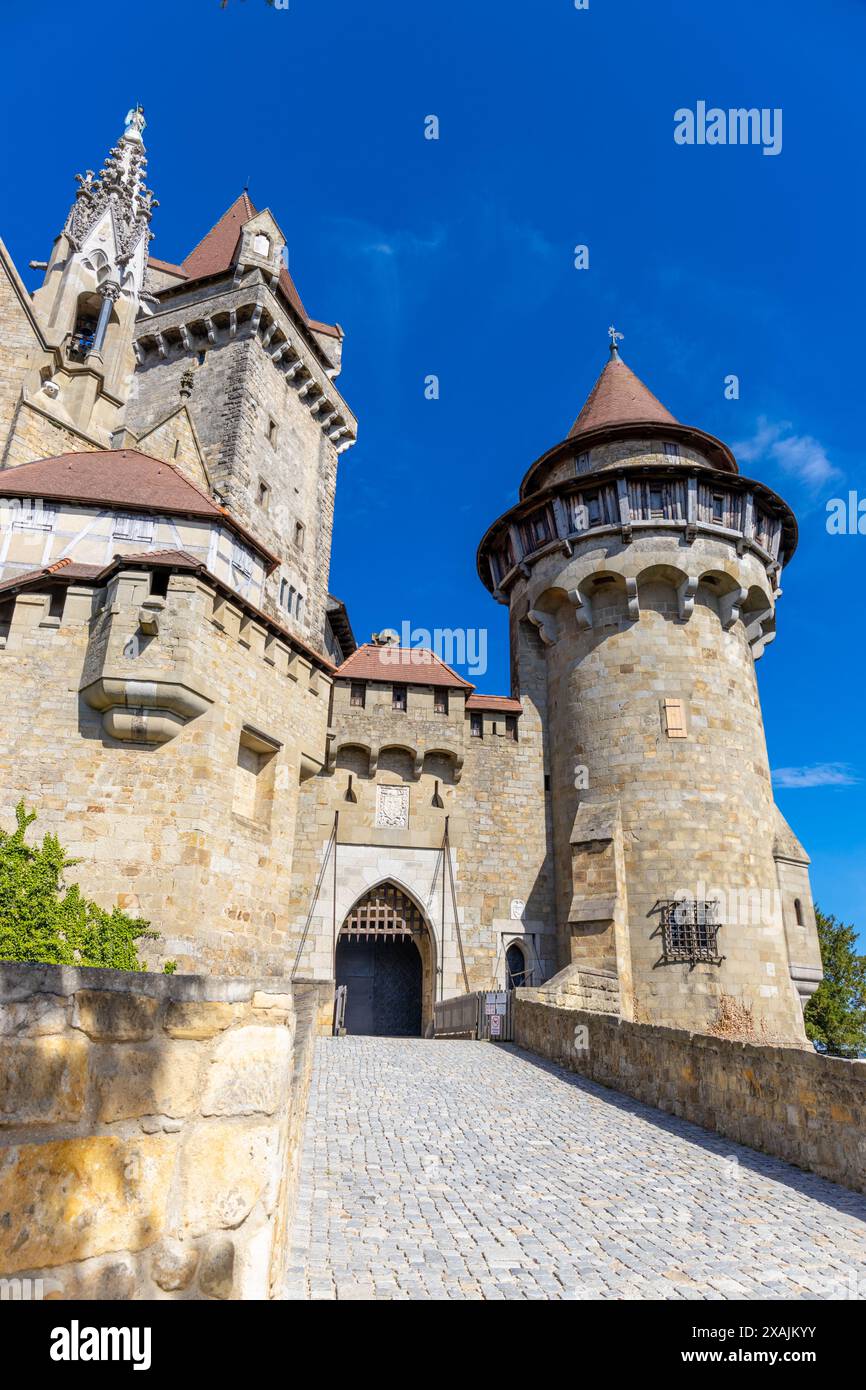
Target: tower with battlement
point(641, 572)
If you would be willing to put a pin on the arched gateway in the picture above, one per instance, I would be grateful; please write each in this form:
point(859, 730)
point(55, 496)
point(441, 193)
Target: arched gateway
point(386, 959)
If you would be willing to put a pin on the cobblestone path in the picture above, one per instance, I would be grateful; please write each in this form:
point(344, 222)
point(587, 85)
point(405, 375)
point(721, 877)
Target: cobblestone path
point(472, 1170)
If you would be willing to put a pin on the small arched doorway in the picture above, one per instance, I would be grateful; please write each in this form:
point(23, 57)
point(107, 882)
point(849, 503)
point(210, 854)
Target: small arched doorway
point(516, 972)
point(385, 959)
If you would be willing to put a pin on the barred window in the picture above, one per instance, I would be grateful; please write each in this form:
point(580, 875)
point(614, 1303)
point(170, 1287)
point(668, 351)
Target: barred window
point(690, 930)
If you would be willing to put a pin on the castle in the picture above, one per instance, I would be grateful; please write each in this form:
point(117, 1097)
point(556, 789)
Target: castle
point(184, 703)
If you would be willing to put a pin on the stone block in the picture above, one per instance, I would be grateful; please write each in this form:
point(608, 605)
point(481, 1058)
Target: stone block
point(42, 1080)
point(197, 1020)
point(71, 1199)
point(154, 1080)
point(42, 1013)
point(263, 999)
point(217, 1269)
point(249, 1073)
point(225, 1169)
point(173, 1264)
point(111, 1016)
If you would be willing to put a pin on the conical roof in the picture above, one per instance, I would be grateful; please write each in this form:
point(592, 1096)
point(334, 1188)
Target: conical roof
point(617, 398)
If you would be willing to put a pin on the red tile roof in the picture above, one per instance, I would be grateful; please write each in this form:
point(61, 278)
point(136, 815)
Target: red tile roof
point(124, 478)
point(619, 397)
point(405, 665)
point(215, 254)
point(495, 702)
point(175, 559)
point(172, 269)
point(67, 569)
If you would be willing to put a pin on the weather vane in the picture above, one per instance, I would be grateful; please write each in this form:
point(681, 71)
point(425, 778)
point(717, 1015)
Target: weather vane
point(614, 339)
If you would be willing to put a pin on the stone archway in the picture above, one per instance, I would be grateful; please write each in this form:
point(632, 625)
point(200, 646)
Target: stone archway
point(386, 958)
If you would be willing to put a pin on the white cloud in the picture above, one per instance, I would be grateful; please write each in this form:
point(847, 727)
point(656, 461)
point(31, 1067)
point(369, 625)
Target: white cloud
point(818, 775)
point(800, 455)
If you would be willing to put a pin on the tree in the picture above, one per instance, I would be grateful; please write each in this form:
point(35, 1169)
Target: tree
point(836, 1013)
point(42, 920)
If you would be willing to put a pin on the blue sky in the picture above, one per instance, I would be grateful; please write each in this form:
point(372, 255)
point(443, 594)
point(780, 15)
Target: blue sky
point(455, 257)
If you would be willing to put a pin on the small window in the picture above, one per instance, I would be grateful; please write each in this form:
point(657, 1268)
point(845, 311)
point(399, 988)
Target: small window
point(440, 701)
point(242, 560)
point(675, 718)
point(32, 516)
point(511, 727)
point(656, 502)
point(261, 244)
point(358, 696)
point(672, 450)
point(264, 496)
point(299, 606)
point(200, 356)
point(718, 506)
point(476, 726)
point(133, 528)
point(398, 697)
point(272, 432)
point(284, 592)
point(300, 534)
point(798, 912)
point(253, 788)
point(159, 583)
point(593, 508)
point(581, 463)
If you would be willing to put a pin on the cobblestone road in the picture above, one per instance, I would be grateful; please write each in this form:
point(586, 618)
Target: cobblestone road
point(469, 1170)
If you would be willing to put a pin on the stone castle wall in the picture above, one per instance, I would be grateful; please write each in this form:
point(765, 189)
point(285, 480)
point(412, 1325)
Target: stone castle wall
point(150, 1130)
point(658, 814)
point(238, 390)
point(492, 790)
point(169, 763)
point(807, 1109)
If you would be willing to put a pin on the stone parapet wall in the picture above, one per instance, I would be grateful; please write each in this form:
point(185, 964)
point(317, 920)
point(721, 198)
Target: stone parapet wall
point(791, 1102)
point(150, 1129)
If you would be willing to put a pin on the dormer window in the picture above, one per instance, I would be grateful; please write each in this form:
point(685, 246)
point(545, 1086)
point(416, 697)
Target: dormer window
point(672, 450)
point(261, 245)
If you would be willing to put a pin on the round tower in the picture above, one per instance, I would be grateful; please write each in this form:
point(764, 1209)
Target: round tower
point(642, 572)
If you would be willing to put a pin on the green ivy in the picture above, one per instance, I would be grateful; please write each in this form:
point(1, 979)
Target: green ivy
point(42, 920)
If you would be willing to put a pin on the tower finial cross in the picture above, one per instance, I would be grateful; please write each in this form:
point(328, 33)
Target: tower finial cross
point(615, 338)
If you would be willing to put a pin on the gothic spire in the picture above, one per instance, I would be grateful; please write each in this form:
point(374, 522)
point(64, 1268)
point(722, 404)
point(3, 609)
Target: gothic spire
point(120, 187)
